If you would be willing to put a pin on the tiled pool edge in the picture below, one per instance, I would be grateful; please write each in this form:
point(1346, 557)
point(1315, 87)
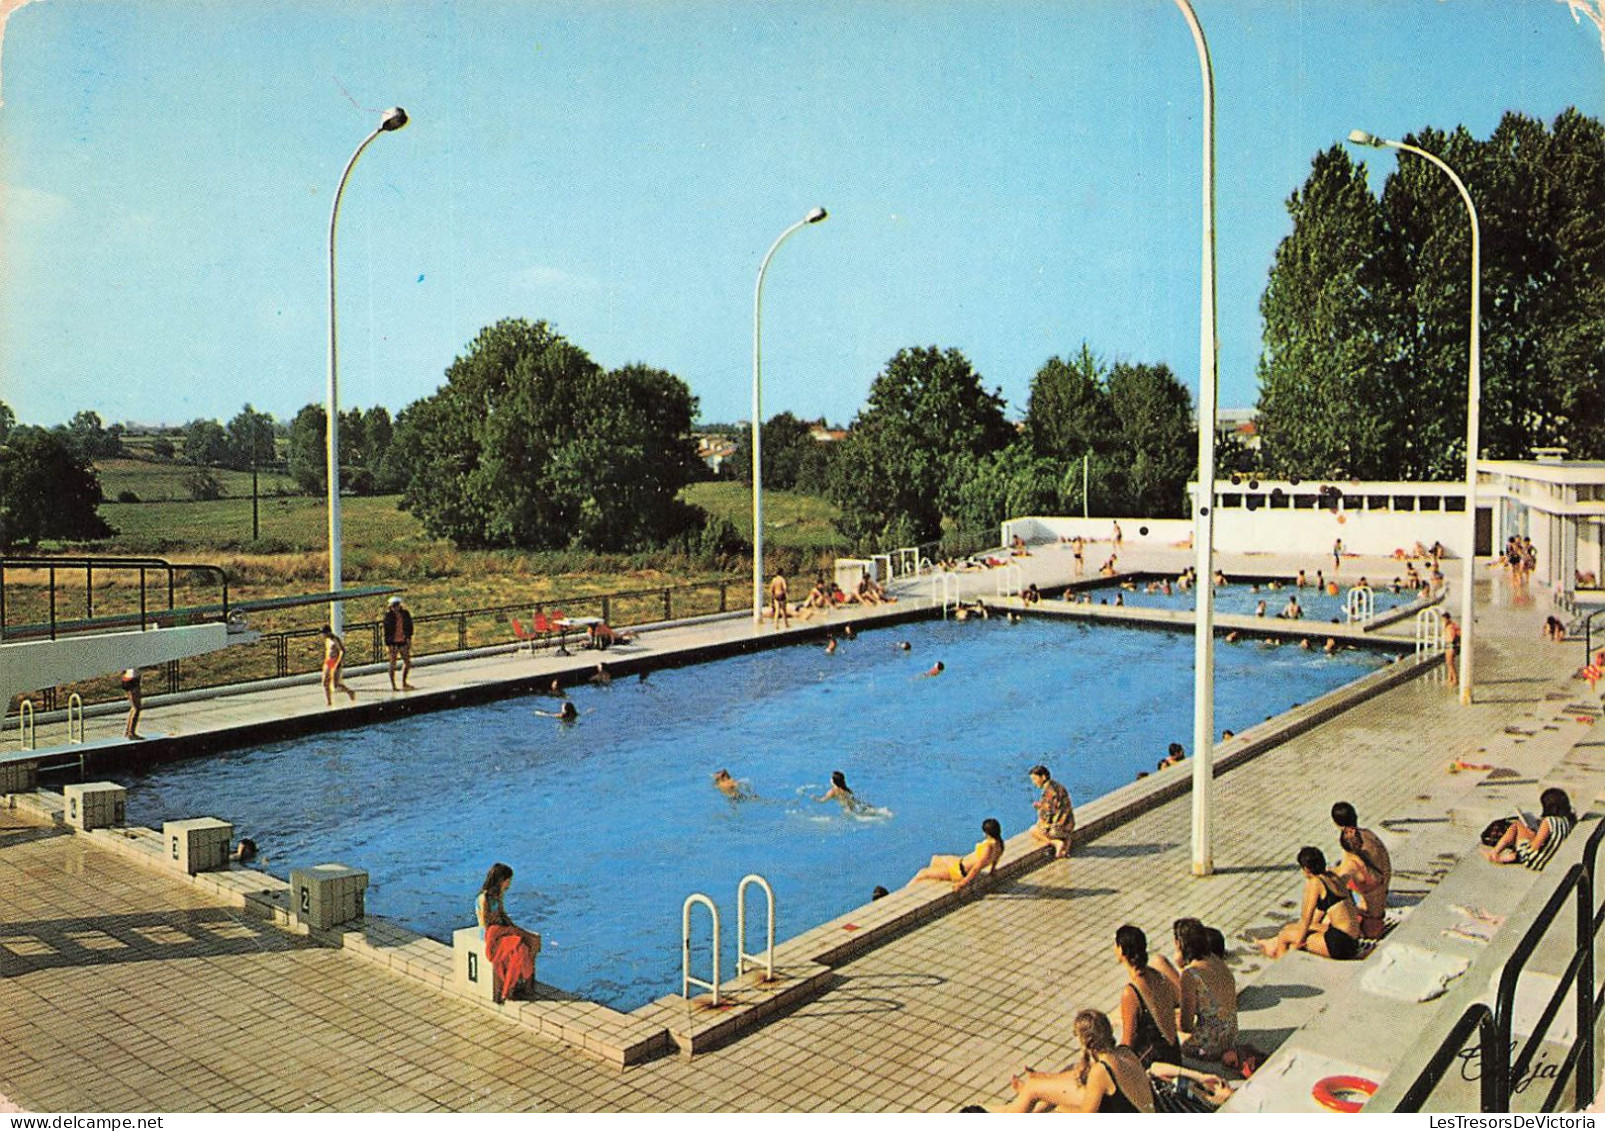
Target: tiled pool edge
point(805, 961)
point(616, 1038)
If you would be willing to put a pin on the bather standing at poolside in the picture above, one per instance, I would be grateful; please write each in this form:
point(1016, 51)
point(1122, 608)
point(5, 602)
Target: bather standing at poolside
point(334, 660)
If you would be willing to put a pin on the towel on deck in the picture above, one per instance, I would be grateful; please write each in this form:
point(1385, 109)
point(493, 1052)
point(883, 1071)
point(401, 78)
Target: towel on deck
point(510, 959)
point(1409, 973)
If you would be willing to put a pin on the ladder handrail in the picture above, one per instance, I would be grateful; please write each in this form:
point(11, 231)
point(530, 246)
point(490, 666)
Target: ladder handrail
point(948, 583)
point(686, 979)
point(27, 736)
point(75, 713)
point(742, 957)
point(1360, 604)
point(1011, 578)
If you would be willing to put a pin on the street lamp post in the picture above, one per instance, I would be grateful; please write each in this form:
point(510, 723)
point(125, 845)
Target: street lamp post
point(1473, 401)
point(813, 217)
point(1204, 501)
point(394, 118)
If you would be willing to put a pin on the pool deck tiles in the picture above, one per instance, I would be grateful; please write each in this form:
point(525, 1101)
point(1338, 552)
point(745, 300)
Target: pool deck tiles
point(930, 1019)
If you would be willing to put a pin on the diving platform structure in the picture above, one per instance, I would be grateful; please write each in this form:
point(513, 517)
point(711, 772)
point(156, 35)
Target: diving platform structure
point(54, 650)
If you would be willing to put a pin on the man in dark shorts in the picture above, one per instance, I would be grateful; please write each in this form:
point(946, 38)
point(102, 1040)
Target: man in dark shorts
point(398, 641)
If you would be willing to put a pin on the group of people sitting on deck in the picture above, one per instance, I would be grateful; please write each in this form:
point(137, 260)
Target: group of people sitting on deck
point(1342, 904)
point(826, 595)
point(1169, 1011)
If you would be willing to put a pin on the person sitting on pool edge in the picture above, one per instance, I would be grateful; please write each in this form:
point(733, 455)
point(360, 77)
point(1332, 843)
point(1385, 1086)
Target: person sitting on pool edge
point(1056, 818)
point(1535, 847)
point(961, 871)
point(510, 948)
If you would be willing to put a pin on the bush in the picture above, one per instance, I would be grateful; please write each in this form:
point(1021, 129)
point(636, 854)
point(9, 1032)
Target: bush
point(127, 496)
point(203, 486)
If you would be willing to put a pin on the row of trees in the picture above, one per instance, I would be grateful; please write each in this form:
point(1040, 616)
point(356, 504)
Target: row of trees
point(1366, 334)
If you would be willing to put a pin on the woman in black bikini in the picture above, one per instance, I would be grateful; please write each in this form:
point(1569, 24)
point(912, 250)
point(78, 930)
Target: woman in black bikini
point(1108, 1079)
point(1147, 1004)
point(1329, 925)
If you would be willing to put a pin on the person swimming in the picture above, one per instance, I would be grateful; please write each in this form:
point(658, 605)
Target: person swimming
point(830, 645)
point(731, 788)
point(935, 669)
point(567, 713)
point(838, 791)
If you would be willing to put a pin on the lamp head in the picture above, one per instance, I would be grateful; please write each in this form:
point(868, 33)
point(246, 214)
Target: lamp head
point(1360, 137)
point(394, 119)
point(815, 216)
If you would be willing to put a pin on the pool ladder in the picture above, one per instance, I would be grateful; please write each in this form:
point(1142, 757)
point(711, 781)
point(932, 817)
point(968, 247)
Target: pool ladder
point(945, 589)
point(1011, 581)
point(766, 958)
point(1361, 605)
point(1429, 638)
point(27, 736)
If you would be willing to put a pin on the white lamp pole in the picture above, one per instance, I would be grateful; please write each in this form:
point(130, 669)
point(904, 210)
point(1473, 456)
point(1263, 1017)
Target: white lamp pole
point(813, 217)
point(1204, 501)
point(394, 118)
point(1473, 402)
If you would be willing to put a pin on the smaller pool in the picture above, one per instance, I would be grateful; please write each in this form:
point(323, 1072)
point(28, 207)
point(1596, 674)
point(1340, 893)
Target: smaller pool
point(1244, 597)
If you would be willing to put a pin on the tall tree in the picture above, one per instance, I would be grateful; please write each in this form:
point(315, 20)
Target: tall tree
point(47, 491)
point(1329, 392)
point(1068, 415)
point(893, 475)
point(8, 420)
point(787, 444)
point(307, 459)
point(1157, 438)
point(205, 443)
point(250, 439)
point(531, 444)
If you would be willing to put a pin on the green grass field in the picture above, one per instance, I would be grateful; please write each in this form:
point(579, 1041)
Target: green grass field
point(385, 546)
point(793, 521)
point(154, 481)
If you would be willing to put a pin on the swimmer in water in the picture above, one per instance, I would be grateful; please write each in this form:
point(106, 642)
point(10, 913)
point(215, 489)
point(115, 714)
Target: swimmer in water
point(849, 631)
point(1331, 646)
point(601, 676)
point(830, 645)
point(838, 791)
point(566, 713)
point(935, 669)
point(904, 646)
point(730, 787)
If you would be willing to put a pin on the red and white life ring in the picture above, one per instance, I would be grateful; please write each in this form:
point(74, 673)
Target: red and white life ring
point(1334, 1092)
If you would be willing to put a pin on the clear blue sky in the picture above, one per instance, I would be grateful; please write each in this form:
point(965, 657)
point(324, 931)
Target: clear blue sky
point(1005, 177)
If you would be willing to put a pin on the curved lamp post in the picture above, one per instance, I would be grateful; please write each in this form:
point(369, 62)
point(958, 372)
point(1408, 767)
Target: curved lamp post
point(1204, 501)
point(1473, 399)
point(394, 118)
point(813, 217)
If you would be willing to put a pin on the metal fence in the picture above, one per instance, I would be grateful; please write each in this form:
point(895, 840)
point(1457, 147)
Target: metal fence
point(297, 651)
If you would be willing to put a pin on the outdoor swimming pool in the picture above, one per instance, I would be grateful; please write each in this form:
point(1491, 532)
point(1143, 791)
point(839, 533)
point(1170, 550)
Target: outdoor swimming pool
point(611, 822)
point(1241, 597)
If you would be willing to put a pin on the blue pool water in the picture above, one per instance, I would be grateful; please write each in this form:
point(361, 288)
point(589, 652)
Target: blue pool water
point(1241, 597)
point(611, 822)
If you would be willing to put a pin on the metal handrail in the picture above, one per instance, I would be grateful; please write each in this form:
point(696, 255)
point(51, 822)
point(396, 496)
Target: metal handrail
point(742, 955)
point(277, 644)
point(1588, 635)
point(686, 978)
point(1477, 1016)
point(1496, 1071)
point(89, 565)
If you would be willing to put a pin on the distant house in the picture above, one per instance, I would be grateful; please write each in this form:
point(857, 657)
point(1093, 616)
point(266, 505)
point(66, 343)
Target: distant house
point(1239, 423)
point(825, 434)
point(713, 448)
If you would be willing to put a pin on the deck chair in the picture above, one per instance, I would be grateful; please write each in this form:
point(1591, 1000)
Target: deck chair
point(527, 635)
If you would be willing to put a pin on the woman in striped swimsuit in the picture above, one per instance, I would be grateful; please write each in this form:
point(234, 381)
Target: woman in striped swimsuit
point(1535, 847)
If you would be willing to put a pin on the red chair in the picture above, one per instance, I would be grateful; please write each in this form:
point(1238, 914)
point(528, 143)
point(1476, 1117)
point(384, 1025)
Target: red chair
point(544, 626)
point(526, 635)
